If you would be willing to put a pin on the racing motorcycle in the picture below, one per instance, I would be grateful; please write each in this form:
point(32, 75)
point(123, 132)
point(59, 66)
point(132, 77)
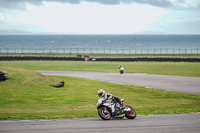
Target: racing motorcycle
point(111, 108)
point(121, 71)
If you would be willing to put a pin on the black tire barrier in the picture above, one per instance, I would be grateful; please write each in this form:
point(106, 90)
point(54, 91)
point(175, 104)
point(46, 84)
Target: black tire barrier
point(150, 59)
point(2, 76)
point(17, 58)
point(24, 58)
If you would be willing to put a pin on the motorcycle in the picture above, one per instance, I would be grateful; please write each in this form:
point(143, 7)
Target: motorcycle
point(111, 108)
point(121, 71)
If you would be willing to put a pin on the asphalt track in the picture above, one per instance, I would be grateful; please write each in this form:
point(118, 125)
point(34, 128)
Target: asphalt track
point(189, 85)
point(176, 123)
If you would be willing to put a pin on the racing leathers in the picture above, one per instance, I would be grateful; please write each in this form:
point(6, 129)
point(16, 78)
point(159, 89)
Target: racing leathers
point(109, 96)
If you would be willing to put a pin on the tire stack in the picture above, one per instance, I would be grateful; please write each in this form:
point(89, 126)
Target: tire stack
point(2, 76)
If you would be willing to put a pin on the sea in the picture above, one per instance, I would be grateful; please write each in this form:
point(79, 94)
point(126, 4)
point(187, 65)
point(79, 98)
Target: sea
point(100, 43)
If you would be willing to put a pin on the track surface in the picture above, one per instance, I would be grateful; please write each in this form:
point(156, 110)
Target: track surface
point(177, 123)
point(170, 83)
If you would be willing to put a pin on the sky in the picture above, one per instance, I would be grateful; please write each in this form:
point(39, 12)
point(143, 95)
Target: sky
point(100, 16)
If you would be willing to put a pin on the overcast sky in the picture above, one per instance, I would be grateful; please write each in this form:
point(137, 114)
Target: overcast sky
point(101, 16)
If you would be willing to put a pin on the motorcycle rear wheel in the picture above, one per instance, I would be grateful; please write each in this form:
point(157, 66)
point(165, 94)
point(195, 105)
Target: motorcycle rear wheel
point(104, 113)
point(131, 114)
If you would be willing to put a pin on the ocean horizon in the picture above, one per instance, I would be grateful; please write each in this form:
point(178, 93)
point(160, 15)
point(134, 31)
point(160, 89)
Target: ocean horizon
point(101, 42)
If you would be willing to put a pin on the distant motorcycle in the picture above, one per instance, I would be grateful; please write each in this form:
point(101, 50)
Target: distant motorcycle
point(108, 109)
point(121, 70)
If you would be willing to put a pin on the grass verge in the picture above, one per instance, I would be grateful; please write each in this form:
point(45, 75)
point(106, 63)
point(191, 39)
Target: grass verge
point(190, 69)
point(196, 55)
point(28, 95)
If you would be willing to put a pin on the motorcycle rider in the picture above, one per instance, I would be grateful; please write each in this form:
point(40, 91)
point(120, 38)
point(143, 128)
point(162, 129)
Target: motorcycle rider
point(108, 96)
point(121, 69)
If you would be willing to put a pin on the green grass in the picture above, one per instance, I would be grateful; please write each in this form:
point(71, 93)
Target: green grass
point(95, 55)
point(190, 69)
point(28, 95)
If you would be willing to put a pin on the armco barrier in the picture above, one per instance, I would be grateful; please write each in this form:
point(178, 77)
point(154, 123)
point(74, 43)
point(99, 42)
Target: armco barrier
point(17, 58)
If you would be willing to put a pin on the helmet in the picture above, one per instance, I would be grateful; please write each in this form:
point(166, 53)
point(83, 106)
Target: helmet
point(101, 93)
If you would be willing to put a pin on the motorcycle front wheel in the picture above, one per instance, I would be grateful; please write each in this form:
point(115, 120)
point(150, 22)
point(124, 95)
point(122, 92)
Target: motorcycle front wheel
point(104, 113)
point(131, 114)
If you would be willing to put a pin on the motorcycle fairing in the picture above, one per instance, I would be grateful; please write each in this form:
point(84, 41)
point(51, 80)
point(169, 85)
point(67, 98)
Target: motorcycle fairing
point(107, 103)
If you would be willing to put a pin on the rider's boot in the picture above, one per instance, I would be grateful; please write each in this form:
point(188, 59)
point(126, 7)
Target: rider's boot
point(121, 103)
